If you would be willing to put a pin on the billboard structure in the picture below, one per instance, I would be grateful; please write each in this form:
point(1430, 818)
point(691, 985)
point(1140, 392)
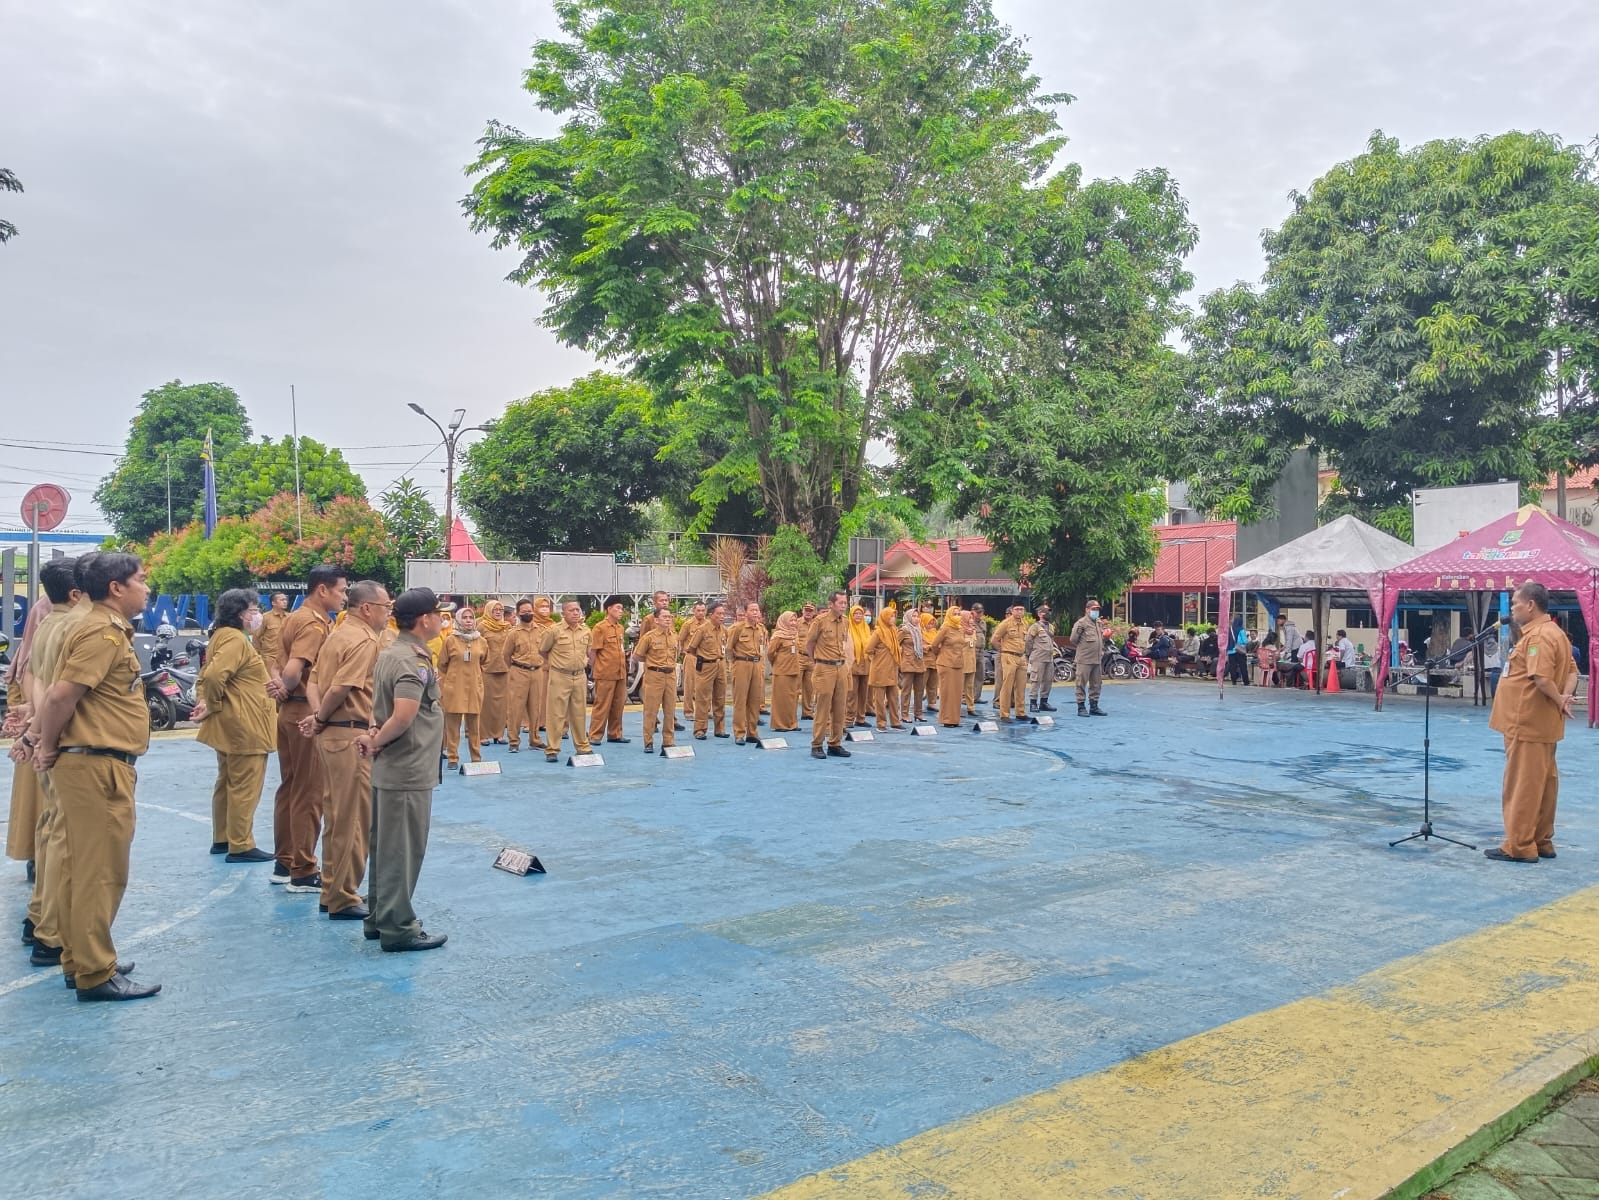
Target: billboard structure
point(1440, 515)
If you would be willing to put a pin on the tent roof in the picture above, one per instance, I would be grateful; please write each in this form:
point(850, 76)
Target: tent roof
point(462, 547)
point(1529, 543)
point(1343, 555)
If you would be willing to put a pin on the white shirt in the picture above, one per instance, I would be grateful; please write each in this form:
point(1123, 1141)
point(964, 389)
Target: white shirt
point(1307, 646)
point(1346, 652)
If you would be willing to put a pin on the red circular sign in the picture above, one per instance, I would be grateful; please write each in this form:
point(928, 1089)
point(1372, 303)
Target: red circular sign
point(44, 507)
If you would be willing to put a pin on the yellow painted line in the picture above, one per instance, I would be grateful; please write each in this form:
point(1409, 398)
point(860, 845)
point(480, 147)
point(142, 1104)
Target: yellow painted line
point(1344, 1095)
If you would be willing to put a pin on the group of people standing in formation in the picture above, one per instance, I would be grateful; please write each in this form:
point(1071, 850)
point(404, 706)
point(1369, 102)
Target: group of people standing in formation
point(364, 697)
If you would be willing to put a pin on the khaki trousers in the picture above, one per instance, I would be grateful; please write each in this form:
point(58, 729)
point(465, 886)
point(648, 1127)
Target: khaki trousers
point(808, 692)
point(234, 798)
point(858, 700)
point(932, 685)
point(563, 711)
point(913, 695)
point(710, 696)
point(969, 689)
point(527, 704)
point(297, 806)
point(949, 693)
point(96, 806)
point(1089, 681)
point(832, 687)
point(688, 690)
point(26, 800)
point(785, 703)
point(496, 701)
point(885, 702)
point(1531, 788)
point(399, 840)
point(49, 878)
point(348, 778)
point(660, 704)
point(1010, 699)
point(1043, 672)
point(452, 736)
point(605, 719)
point(749, 689)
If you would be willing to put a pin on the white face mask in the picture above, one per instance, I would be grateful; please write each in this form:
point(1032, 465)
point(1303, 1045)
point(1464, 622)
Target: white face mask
point(252, 621)
point(1093, 614)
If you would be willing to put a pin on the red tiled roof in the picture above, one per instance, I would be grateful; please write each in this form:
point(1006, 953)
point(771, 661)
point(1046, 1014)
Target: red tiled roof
point(1583, 477)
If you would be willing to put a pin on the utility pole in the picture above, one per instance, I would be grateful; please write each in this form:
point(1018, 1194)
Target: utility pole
point(169, 489)
point(451, 437)
point(294, 426)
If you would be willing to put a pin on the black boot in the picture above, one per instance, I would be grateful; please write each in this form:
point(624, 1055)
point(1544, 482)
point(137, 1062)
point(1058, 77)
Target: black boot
point(1097, 711)
point(1045, 706)
point(1082, 710)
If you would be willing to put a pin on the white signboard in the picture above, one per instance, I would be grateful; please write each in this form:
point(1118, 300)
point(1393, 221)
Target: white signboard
point(1440, 515)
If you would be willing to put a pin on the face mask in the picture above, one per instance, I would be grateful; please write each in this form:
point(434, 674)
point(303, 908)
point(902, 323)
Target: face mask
point(252, 621)
point(524, 617)
point(1093, 614)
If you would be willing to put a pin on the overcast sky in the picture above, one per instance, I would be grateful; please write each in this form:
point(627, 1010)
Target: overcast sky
point(267, 194)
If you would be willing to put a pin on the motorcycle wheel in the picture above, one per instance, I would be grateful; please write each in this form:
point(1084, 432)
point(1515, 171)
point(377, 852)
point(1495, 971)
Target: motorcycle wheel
point(1141, 670)
point(163, 713)
point(1120, 668)
point(1065, 670)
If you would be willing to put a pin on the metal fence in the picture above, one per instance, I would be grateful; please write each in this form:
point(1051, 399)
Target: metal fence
point(555, 574)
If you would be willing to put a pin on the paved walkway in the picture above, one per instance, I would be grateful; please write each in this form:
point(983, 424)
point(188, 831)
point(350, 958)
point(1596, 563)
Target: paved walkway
point(1557, 1157)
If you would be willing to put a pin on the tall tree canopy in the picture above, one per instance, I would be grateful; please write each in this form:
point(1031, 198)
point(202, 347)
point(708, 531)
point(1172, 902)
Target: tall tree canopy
point(1045, 411)
point(746, 200)
point(417, 528)
point(252, 473)
point(1416, 309)
point(169, 429)
point(569, 469)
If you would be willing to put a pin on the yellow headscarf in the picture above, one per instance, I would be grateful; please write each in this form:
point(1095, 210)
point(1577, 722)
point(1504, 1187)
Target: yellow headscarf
point(929, 621)
point(890, 633)
point(859, 632)
point(952, 617)
point(787, 625)
point(543, 620)
point(489, 623)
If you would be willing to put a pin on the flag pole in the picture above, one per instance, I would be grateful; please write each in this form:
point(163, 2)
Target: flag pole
point(294, 424)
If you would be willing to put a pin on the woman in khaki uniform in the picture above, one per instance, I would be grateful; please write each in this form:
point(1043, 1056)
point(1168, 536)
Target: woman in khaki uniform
point(27, 797)
point(882, 656)
point(858, 699)
point(239, 721)
point(929, 629)
point(948, 648)
point(969, 667)
point(496, 671)
point(460, 662)
point(913, 668)
point(656, 649)
point(788, 665)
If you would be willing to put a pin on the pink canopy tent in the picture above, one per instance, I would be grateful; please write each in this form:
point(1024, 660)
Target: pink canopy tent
point(462, 547)
point(1529, 544)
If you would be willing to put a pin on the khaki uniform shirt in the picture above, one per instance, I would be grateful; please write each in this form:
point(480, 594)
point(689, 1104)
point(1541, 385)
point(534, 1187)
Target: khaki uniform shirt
point(269, 638)
point(304, 631)
point(656, 648)
point(746, 641)
point(828, 641)
point(495, 646)
point(1520, 711)
point(98, 654)
point(708, 643)
point(785, 654)
point(240, 717)
point(686, 634)
point(1039, 643)
point(522, 646)
point(882, 665)
point(404, 671)
point(1010, 636)
point(564, 648)
point(909, 663)
point(1089, 639)
point(948, 647)
point(461, 664)
point(346, 660)
point(49, 640)
point(609, 644)
point(804, 641)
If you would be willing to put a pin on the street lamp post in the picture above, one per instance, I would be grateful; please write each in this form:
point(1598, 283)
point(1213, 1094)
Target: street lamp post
point(451, 437)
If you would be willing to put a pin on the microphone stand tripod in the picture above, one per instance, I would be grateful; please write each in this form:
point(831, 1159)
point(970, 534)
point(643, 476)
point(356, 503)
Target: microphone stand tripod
point(1425, 833)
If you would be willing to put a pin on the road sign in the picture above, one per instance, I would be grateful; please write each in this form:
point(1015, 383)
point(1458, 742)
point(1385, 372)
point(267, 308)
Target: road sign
point(45, 507)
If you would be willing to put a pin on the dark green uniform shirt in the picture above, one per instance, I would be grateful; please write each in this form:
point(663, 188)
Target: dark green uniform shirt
point(404, 671)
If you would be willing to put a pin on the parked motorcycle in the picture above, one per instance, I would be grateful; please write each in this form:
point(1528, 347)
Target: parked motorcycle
point(183, 669)
point(161, 693)
point(1114, 665)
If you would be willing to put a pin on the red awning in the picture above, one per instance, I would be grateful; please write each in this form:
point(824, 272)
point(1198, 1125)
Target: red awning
point(462, 547)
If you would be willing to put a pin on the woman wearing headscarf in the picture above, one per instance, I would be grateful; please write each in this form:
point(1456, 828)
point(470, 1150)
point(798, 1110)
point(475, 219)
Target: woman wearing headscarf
point(882, 656)
point(929, 628)
point(913, 668)
point(949, 653)
point(969, 665)
point(460, 670)
point(27, 797)
point(496, 673)
point(239, 721)
point(858, 701)
point(788, 662)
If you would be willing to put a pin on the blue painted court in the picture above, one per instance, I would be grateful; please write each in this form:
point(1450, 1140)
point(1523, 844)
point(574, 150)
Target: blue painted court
point(751, 966)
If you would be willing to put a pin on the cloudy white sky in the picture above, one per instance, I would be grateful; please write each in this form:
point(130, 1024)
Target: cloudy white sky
point(266, 194)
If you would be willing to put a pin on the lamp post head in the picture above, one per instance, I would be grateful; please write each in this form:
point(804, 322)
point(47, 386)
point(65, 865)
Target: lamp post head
point(456, 418)
point(417, 408)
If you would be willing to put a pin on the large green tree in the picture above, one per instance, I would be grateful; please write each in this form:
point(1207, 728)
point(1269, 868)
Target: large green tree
point(746, 200)
point(252, 473)
point(569, 468)
point(415, 524)
point(1043, 414)
point(1417, 309)
point(165, 442)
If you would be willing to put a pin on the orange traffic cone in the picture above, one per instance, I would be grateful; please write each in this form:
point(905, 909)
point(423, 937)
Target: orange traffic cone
point(1332, 674)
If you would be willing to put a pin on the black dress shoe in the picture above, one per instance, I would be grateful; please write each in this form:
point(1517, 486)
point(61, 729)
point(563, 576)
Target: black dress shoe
point(1541, 854)
point(699, 737)
point(618, 740)
point(722, 735)
point(370, 935)
point(356, 912)
point(252, 855)
point(837, 752)
point(27, 932)
point(122, 969)
point(322, 908)
point(649, 747)
point(119, 987)
point(422, 941)
point(45, 956)
point(678, 727)
point(219, 847)
point(818, 752)
point(1498, 855)
point(738, 741)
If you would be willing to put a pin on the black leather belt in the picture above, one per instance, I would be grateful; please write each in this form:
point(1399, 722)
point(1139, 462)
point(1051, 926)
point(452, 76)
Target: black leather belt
point(346, 724)
point(743, 658)
point(102, 752)
point(525, 667)
point(295, 700)
point(662, 670)
point(828, 662)
point(1011, 653)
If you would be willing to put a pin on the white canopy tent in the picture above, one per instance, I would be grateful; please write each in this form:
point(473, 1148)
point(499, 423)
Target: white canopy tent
point(1342, 562)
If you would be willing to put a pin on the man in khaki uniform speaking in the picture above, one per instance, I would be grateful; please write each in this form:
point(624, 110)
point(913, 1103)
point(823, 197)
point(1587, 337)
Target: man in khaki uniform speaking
point(829, 649)
point(93, 726)
point(404, 753)
point(706, 650)
point(656, 650)
point(1088, 640)
point(746, 646)
point(1530, 709)
point(340, 699)
point(565, 650)
point(297, 807)
point(1010, 636)
point(608, 668)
